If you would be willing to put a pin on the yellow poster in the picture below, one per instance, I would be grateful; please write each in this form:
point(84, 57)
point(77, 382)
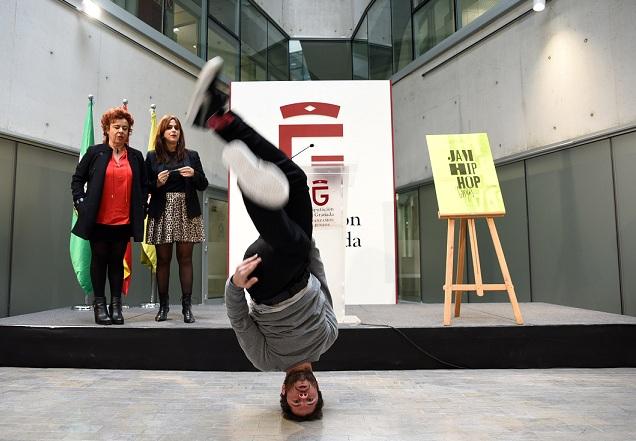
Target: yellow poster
point(465, 178)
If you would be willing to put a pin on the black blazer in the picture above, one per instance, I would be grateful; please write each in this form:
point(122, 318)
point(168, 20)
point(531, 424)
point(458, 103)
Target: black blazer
point(158, 195)
point(92, 170)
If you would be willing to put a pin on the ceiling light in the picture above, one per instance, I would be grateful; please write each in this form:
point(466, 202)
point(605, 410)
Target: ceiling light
point(538, 5)
point(91, 9)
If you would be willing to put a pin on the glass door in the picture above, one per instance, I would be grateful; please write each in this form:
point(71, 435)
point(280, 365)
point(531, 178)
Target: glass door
point(409, 287)
point(215, 250)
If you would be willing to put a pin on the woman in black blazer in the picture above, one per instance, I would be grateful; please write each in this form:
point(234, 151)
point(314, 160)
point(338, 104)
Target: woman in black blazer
point(174, 213)
point(111, 209)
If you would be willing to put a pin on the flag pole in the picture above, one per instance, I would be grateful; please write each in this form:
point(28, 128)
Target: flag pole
point(88, 304)
point(127, 262)
point(153, 288)
point(153, 281)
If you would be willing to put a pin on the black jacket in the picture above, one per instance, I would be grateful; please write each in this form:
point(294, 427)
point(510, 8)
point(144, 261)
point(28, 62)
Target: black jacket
point(158, 195)
point(92, 170)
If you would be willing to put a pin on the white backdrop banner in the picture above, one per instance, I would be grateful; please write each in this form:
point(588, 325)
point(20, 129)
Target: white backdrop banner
point(331, 123)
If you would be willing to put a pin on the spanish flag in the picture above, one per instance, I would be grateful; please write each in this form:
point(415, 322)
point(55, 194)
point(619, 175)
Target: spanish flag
point(128, 255)
point(148, 252)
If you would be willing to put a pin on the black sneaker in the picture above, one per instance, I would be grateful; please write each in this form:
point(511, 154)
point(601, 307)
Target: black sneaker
point(206, 99)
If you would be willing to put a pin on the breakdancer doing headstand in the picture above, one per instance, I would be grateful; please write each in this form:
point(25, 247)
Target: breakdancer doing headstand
point(289, 322)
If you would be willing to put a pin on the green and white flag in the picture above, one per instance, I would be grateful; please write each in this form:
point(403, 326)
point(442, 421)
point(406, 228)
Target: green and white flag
point(80, 248)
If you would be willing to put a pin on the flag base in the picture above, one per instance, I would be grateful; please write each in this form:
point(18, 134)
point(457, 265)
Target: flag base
point(149, 305)
point(82, 307)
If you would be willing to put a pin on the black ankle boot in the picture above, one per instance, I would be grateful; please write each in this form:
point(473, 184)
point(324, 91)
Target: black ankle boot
point(101, 313)
point(186, 303)
point(164, 307)
point(115, 311)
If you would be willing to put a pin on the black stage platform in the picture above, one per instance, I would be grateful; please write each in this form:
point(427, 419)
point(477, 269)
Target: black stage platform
point(403, 336)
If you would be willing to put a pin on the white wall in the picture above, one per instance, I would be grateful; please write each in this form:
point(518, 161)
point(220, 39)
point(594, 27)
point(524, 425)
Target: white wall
point(546, 78)
point(320, 19)
point(54, 57)
point(367, 271)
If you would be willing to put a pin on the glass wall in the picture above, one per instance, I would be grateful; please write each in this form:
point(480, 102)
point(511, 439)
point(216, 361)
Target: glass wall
point(379, 38)
point(513, 234)
point(320, 59)
point(42, 192)
point(432, 247)
point(181, 23)
point(7, 170)
point(390, 34)
point(432, 23)
point(383, 42)
point(150, 12)
point(402, 34)
point(251, 45)
point(360, 48)
point(408, 224)
point(298, 69)
point(624, 161)
point(177, 19)
point(222, 43)
point(572, 228)
point(216, 247)
point(277, 54)
point(393, 32)
point(226, 12)
point(469, 10)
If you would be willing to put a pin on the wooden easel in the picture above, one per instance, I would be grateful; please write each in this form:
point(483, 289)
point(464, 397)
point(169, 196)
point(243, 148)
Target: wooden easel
point(478, 286)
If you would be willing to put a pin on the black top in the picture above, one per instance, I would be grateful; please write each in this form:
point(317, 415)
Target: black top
point(175, 182)
point(190, 185)
point(91, 170)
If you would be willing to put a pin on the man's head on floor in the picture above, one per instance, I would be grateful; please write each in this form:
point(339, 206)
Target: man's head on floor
point(300, 397)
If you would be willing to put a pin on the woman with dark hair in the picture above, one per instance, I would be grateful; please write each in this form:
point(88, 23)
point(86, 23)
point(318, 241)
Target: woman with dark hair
point(109, 193)
point(174, 214)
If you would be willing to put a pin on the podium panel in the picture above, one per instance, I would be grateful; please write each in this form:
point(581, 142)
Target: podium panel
point(327, 185)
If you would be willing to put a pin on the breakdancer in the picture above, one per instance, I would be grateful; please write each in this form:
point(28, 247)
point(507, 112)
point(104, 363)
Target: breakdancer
point(289, 322)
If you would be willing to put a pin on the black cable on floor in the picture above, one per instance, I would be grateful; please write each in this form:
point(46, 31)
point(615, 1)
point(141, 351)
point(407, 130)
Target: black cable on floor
point(416, 346)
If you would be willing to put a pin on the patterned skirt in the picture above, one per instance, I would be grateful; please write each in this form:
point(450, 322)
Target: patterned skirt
point(174, 225)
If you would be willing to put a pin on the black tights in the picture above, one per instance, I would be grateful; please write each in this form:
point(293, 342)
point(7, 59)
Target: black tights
point(107, 257)
point(184, 258)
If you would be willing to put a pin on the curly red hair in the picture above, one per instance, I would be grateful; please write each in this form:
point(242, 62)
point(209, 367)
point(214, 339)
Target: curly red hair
point(111, 115)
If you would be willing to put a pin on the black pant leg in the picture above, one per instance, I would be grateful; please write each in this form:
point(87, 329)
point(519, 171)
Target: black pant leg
point(116, 266)
point(99, 265)
point(262, 148)
point(292, 226)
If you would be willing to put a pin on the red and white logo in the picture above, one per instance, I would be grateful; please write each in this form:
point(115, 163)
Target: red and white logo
point(320, 192)
point(287, 132)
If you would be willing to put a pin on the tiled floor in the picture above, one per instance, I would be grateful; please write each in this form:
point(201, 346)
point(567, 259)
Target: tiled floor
point(75, 404)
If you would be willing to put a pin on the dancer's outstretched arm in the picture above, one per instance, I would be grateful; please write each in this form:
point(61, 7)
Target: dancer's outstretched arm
point(248, 334)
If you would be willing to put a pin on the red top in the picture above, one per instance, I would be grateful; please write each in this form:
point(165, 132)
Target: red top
point(114, 208)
